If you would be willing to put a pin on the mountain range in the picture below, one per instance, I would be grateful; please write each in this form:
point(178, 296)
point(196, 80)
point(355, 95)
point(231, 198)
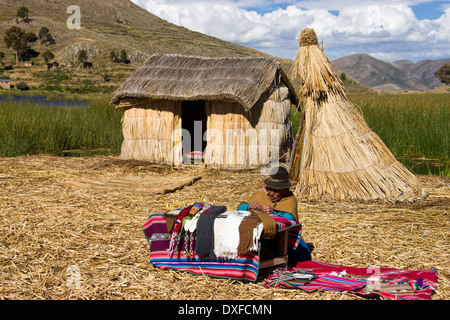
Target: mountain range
point(399, 76)
point(108, 25)
point(105, 26)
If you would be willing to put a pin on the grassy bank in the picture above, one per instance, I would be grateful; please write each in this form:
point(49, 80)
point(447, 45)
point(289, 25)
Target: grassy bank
point(413, 126)
point(26, 128)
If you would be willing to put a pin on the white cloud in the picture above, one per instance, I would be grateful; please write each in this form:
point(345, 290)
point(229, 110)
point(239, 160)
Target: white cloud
point(443, 27)
point(386, 29)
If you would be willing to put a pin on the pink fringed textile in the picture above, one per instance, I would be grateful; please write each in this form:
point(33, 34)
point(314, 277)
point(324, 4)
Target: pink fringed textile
point(330, 277)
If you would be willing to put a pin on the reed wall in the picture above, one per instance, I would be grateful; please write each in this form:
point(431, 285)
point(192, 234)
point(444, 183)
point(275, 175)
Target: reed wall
point(235, 138)
point(148, 132)
point(240, 139)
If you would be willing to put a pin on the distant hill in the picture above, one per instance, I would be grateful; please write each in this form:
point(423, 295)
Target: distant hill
point(403, 75)
point(106, 25)
point(115, 24)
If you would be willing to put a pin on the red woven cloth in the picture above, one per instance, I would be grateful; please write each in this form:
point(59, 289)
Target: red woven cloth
point(423, 282)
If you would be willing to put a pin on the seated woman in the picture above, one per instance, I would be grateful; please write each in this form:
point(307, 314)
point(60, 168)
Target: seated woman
point(276, 198)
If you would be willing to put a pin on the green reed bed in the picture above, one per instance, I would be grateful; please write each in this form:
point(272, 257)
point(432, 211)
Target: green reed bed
point(413, 126)
point(26, 128)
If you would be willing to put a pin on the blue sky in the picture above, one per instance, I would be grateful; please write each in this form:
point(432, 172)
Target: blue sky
point(388, 30)
point(429, 10)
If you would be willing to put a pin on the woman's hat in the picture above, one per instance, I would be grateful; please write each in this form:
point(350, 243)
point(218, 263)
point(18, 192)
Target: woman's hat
point(279, 179)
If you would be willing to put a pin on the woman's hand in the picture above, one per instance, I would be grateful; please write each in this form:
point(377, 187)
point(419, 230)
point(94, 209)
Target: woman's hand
point(254, 205)
point(267, 209)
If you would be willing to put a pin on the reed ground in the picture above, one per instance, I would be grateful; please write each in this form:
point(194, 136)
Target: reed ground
point(48, 225)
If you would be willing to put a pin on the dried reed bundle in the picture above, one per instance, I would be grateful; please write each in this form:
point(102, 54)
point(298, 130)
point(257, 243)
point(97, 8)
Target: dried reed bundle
point(49, 229)
point(314, 69)
point(336, 156)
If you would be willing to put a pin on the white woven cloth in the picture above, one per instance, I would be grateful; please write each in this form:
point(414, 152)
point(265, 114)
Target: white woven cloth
point(228, 247)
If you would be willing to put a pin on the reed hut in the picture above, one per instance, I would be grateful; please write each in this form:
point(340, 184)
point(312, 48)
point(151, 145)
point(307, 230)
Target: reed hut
point(336, 156)
point(232, 111)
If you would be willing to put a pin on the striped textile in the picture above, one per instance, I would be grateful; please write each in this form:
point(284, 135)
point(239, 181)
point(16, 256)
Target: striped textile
point(324, 281)
point(295, 230)
point(244, 267)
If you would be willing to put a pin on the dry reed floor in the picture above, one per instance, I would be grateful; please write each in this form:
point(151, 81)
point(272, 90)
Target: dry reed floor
point(47, 225)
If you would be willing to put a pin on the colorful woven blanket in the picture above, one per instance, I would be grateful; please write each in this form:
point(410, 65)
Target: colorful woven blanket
point(244, 267)
point(393, 283)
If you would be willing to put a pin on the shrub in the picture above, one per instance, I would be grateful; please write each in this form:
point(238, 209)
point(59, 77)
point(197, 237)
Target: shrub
point(22, 86)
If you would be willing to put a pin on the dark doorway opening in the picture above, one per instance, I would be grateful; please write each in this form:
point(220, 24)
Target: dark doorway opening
point(193, 123)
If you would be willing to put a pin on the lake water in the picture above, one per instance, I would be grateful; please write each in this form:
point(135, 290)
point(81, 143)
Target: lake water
point(42, 100)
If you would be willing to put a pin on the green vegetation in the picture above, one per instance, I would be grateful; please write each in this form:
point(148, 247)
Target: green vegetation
point(23, 86)
point(22, 13)
point(31, 129)
point(121, 57)
point(296, 116)
point(20, 41)
point(413, 126)
point(45, 36)
point(443, 74)
point(47, 56)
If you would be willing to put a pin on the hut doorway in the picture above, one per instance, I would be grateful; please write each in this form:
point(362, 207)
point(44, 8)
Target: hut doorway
point(193, 123)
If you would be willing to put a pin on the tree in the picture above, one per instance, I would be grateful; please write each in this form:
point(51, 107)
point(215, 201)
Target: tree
point(47, 56)
point(23, 86)
point(20, 41)
point(444, 74)
point(45, 36)
point(49, 39)
point(12, 40)
point(106, 77)
point(42, 33)
point(30, 37)
point(23, 13)
point(113, 56)
point(2, 56)
point(124, 57)
point(82, 56)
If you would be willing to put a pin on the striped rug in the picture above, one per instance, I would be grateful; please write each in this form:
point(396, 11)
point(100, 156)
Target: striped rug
point(244, 267)
point(329, 277)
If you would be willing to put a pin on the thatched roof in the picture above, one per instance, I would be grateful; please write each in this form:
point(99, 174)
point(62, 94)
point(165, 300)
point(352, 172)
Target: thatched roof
point(177, 77)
